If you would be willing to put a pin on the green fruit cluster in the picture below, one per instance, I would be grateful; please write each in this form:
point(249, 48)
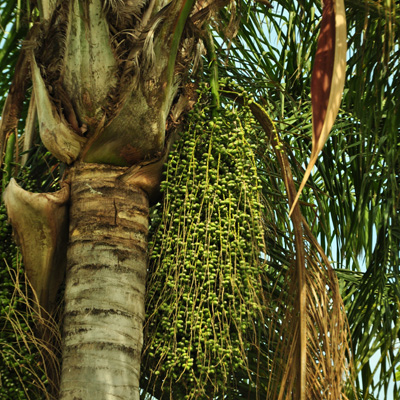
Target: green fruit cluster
point(204, 296)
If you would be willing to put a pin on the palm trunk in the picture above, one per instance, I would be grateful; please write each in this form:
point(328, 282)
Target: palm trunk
point(105, 286)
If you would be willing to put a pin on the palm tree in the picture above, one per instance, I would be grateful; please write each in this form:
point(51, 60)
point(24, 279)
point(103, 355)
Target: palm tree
point(105, 75)
point(95, 77)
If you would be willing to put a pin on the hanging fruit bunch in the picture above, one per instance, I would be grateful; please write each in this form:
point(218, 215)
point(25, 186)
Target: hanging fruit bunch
point(204, 294)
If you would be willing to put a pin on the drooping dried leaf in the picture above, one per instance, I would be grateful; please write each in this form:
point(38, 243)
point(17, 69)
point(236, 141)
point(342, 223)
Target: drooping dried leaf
point(327, 80)
point(327, 332)
point(307, 333)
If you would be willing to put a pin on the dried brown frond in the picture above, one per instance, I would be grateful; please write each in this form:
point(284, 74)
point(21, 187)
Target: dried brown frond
point(328, 335)
point(307, 334)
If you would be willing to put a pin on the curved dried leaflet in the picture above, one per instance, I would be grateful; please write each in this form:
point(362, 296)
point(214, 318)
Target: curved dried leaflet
point(328, 78)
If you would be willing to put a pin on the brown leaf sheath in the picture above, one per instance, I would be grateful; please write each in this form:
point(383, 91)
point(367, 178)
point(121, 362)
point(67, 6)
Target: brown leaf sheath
point(327, 79)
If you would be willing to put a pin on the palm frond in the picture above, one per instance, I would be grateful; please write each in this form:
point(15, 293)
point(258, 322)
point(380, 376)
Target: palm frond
point(356, 184)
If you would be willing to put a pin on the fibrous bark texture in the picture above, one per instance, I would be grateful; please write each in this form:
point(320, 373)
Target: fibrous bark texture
point(104, 296)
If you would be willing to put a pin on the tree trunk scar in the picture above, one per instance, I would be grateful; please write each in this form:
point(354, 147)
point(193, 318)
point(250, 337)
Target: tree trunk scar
point(116, 213)
point(93, 191)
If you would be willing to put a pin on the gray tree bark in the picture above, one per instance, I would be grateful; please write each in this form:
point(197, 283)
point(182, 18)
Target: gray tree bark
point(105, 285)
